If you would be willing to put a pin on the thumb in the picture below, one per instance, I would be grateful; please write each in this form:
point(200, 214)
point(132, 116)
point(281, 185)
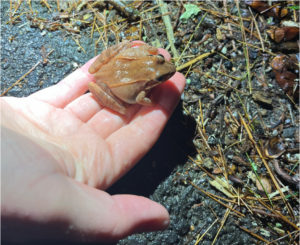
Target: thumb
point(97, 216)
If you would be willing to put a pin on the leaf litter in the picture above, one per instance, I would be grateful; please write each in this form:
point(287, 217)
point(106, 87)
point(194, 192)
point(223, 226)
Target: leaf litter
point(241, 61)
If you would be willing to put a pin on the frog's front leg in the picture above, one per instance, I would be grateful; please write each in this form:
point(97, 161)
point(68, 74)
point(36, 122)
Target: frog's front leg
point(105, 97)
point(143, 100)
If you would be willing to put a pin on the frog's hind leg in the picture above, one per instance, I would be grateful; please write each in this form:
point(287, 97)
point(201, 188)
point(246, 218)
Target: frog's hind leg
point(105, 97)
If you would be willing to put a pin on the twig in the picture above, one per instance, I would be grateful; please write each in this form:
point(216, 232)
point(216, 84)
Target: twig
point(265, 163)
point(10, 12)
point(216, 199)
point(223, 222)
point(190, 38)
point(253, 234)
point(76, 41)
point(278, 213)
point(256, 47)
point(246, 51)
point(236, 78)
point(191, 62)
point(206, 232)
point(177, 17)
point(223, 14)
point(26, 74)
point(282, 237)
point(232, 116)
point(218, 80)
point(258, 31)
point(169, 29)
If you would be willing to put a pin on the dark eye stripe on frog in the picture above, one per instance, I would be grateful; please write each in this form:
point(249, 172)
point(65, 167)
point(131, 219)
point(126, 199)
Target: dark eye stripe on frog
point(160, 78)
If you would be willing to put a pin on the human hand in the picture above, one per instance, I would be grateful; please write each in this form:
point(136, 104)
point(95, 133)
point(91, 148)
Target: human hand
point(61, 150)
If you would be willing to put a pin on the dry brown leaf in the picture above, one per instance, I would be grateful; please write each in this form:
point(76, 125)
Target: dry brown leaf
point(266, 183)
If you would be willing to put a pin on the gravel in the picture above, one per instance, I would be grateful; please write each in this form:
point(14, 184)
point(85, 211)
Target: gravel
point(155, 176)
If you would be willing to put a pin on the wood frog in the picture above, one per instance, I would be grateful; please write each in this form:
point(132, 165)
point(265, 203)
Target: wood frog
point(125, 75)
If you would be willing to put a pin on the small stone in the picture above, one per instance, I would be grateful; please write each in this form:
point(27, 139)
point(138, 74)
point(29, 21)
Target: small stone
point(224, 50)
point(208, 163)
point(275, 132)
point(289, 132)
point(263, 112)
point(43, 33)
point(262, 97)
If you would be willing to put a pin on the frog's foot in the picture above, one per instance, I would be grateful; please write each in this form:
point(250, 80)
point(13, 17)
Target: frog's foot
point(142, 100)
point(105, 97)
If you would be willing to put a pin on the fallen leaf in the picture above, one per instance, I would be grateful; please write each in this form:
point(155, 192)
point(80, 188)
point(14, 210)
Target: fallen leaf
point(221, 186)
point(266, 183)
point(190, 11)
point(274, 147)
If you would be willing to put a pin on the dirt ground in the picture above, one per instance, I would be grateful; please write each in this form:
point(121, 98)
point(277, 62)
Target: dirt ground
point(238, 118)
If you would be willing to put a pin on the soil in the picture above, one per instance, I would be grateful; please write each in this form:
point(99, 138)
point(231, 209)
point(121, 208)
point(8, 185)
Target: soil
point(165, 173)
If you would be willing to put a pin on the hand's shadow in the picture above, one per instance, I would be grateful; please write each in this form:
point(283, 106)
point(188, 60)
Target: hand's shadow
point(158, 164)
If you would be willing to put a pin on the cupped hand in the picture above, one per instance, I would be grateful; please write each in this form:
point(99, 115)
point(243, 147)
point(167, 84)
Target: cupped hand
point(61, 150)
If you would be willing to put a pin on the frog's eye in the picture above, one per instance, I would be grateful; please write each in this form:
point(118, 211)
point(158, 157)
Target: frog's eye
point(161, 78)
point(161, 56)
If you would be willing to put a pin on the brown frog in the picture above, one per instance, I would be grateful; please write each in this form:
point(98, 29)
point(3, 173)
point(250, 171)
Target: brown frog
point(125, 75)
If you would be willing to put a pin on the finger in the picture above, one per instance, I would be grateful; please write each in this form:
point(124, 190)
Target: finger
point(49, 205)
point(68, 89)
point(165, 53)
point(108, 218)
point(109, 120)
point(131, 142)
point(84, 107)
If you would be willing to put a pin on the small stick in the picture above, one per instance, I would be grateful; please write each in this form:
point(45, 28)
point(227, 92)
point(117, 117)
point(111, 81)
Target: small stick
point(292, 101)
point(10, 14)
point(256, 47)
point(191, 62)
point(177, 17)
point(154, 17)
point(200, 105)
point(215, 214)
point(232, 116)
point(291, 113)
point(249, 123)
point(76, 41)
point(278, 213)
point(224, 14)
point(169, 28)
point(282, 237)
point(26, 74)
point(200, 132)
point(259, 211)
point(264, 161)
point(190, 38)
point(140, 31)
point(194, 236)
point(203, 169)
point(253, 234)
point(216, 199)
point(151, 9)
point(206, 232)
point(45, 2)
point(229, 76)
point(223, 222)
point(218, 81)
point(258, 31)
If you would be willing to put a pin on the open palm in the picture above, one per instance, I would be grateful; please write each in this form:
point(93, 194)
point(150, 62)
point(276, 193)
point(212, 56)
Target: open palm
point(68, 151)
